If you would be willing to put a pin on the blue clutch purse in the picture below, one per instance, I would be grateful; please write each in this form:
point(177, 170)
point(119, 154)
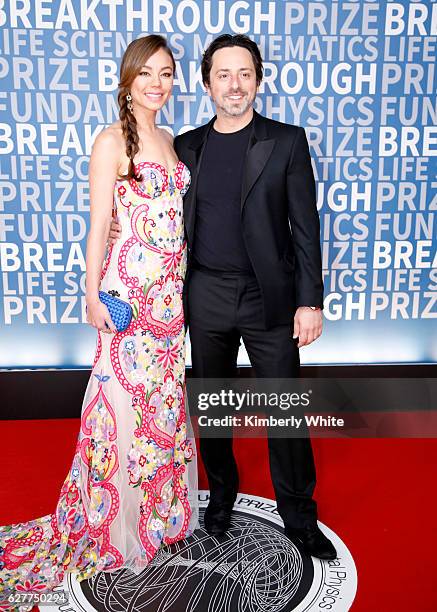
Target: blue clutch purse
point(120, 311)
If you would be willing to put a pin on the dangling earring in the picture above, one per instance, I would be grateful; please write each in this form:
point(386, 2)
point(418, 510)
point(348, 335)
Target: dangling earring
point(129, 102)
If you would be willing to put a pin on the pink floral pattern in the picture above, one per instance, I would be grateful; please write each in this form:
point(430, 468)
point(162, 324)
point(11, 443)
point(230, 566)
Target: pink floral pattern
point(129, 487)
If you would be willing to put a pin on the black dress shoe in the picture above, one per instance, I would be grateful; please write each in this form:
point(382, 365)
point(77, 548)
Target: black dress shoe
point(313, 540)
point(217, 518)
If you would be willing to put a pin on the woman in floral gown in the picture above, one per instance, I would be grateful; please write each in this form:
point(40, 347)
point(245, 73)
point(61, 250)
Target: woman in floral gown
point(132, 486)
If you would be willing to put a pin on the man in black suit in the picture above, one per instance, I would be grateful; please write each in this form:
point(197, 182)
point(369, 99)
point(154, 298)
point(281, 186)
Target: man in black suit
point(253, 236)
point(254, 271)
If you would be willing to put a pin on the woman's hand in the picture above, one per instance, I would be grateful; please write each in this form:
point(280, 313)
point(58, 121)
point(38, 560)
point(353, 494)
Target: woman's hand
point(98, 316)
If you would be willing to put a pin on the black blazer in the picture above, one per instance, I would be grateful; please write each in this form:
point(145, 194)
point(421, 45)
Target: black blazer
point(280, 222)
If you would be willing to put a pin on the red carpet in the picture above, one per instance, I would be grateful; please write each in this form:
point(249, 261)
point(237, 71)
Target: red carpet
point(377, 495)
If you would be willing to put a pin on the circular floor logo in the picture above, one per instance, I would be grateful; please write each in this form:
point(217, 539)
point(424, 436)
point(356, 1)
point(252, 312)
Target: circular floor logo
point(253, 568)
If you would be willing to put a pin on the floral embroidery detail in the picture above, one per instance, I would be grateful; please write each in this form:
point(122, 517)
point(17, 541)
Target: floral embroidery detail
point(138, 377)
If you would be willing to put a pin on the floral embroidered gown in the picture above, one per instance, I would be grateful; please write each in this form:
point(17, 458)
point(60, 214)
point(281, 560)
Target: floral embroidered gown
point(132, 485)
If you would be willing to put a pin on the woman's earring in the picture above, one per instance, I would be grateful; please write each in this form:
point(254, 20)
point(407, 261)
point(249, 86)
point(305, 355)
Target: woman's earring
point(129, 102)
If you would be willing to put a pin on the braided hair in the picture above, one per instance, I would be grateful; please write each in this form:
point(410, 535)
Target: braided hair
point(137, 52)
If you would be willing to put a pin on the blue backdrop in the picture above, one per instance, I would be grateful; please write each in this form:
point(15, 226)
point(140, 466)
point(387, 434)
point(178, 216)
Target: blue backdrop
point(359, 76)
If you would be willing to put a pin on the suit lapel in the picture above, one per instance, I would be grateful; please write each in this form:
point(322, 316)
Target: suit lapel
point(196, 149)
point(259, 150)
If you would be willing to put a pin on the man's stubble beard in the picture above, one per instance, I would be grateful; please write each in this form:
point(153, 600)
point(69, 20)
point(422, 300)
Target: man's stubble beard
point(233, 110)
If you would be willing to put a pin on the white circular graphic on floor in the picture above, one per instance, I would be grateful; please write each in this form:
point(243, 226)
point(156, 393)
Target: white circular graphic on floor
point(253, 568)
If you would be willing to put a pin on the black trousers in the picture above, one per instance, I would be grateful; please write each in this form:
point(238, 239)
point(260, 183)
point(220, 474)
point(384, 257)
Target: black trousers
point(222, 309)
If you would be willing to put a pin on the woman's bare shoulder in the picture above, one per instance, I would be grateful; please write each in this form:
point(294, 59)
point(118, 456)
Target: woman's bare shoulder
point(111, 136)
point(109, 145)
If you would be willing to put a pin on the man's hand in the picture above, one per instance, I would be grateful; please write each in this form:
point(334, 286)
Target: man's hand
point(307, 325)
point(114, 231)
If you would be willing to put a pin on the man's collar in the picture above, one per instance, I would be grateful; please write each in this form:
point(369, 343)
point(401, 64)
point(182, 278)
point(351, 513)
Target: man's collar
point(258, 132)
